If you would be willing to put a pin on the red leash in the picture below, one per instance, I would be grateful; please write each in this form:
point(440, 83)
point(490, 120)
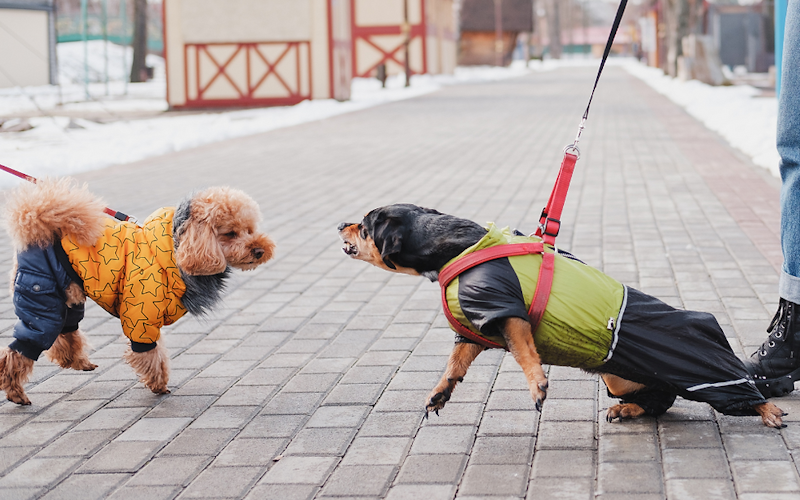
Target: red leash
point(113, 213)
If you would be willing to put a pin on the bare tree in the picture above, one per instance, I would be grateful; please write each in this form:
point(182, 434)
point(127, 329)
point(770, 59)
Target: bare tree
point(139, 68)
point(554, 27)
point(683, 17)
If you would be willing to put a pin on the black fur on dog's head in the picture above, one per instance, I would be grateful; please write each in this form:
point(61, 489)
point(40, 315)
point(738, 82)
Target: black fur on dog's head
point(408, 239)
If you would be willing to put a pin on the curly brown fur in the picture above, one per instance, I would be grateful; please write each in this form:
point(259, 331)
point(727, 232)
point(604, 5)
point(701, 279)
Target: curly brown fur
point(152, 367)
point(35, 213)
point(217, 228)
point(15, 370)
point(70, 351)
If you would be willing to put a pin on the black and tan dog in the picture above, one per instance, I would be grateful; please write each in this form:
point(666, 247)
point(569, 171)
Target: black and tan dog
point(646, 351)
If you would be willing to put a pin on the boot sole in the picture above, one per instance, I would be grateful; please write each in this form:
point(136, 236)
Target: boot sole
point(780, 386)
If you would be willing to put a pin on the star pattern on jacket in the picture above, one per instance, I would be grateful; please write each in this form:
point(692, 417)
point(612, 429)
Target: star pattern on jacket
point(131, 273)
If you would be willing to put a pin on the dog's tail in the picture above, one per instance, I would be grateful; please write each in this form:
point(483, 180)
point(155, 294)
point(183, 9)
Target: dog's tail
point(37, 214)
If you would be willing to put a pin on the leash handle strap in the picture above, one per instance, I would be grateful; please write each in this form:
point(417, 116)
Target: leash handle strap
point(540, 297)
point(113, 213)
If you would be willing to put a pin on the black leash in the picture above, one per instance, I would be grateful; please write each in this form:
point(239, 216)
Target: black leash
point(606, 52)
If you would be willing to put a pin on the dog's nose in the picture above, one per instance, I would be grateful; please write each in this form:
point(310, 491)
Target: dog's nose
point(258, 253)
point(344, 225)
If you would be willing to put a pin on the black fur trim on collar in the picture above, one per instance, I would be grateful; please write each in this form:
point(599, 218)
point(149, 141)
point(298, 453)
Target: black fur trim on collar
point(202, 292)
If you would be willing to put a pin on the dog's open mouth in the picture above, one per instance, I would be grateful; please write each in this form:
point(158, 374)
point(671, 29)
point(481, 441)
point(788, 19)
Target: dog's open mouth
point(349, 249)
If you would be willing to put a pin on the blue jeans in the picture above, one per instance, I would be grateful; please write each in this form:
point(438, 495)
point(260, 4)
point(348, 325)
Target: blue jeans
point(789, 150)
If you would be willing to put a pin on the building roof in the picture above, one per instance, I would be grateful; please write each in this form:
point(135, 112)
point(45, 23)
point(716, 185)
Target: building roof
point(27, 4)
point(478, 15)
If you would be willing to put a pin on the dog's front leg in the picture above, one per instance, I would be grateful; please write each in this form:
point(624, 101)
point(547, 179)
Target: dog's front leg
point(151, 366)
point(462, 356)
point(518, 337)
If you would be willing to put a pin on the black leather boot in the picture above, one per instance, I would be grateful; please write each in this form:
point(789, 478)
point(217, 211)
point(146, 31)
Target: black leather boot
point(776, 364)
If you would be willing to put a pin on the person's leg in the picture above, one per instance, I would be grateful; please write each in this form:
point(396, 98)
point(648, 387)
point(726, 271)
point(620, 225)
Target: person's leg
point(776, 364)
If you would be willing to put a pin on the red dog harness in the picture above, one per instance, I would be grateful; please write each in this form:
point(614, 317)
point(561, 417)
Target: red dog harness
point(549, 226)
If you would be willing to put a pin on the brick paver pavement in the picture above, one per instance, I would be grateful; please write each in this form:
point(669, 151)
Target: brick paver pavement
point(309, 381)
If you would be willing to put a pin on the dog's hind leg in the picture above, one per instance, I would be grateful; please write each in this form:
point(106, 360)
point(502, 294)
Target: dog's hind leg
point(152, 367)
point(15, 370)
point(637, 399)
point(461, 358)
point(518, 337)
point(69, 351)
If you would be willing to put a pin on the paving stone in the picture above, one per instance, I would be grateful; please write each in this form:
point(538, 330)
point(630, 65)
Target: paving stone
point(749, 476)
point(354, 394)
point(368, 375)
point(566, 435)
point(250, 451)
point(456, 414)
point(222, 482)
point(444, 440)
point(121, 456)
point(509, 423)
point(86, 486)
point(562, 463)
point(569, 410)
point(689, 435)
point(359, 480)
point(10, 456)
point(700, 489)
point(21, 493)
point(402, 401)
point(300, 470)
point(338, 416)
point(38, 472)
point(282, 492)
point(321, 441)
point(170, 471)
point(628, 448)
point(499, 480)
point(34, 433)
point(181, 406)
point(273, 426)
point(502, 450)
point(629, 477)
point(77, 444)
point(543, 488)
point(154, 429)
point(224, 417)
point(376, 451)
point(695, 463)
point(293, 403)
point(743, 447)
point(416, 491)
point(388, 424)
point(247, 395)
point(205, 442)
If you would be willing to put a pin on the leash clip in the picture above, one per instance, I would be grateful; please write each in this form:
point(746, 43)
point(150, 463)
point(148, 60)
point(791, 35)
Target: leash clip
point(574, 145)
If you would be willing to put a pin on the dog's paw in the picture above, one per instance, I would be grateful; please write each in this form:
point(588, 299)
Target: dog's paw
point(624, 411)
point(160, 389)
point(771, 415)
point(539, 394)
point(437, 401)
point(18, 397)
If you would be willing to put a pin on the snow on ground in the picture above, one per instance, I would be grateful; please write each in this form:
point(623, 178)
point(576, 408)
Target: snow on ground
point(748, 122)
point(59, 145)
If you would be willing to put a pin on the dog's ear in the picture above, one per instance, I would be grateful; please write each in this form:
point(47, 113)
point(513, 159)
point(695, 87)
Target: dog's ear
point(387, 233)
point(199, 252)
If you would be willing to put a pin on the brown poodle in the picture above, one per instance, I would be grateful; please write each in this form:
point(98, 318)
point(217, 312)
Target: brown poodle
point(148, 276)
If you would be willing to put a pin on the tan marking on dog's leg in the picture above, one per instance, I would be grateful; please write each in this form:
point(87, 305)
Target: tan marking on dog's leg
point(770, 415)
point(69, 351)
point(152, 367)
point(624, 411)
point(461, 358)
point(15, 370)
point(619, 386)
point(518, 337)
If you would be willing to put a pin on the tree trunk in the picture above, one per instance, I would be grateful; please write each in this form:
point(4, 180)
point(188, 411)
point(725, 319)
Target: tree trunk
point(138, 68)
point(554, 28)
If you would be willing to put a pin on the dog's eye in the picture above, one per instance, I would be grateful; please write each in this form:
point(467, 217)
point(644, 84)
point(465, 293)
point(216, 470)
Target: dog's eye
point(363, 233)
point(231, 234)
